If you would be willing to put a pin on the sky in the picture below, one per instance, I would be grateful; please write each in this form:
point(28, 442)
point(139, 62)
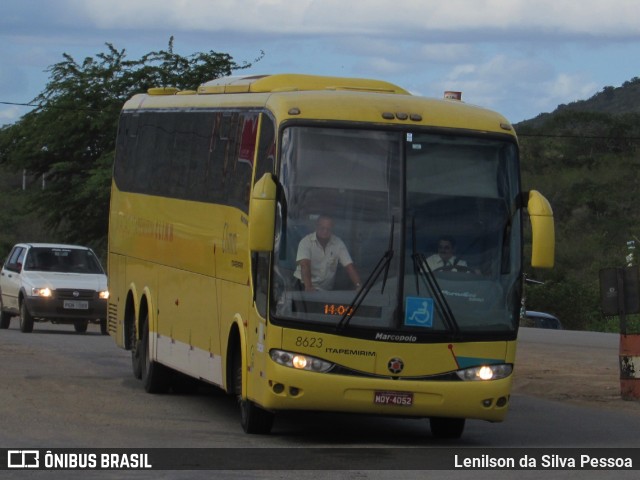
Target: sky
point(519, 57)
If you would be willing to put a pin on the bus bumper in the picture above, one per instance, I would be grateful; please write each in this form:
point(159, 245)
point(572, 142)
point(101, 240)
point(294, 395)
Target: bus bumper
point(289, 389)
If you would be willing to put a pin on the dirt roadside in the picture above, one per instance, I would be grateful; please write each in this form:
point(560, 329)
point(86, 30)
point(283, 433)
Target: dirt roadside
point(576, 374)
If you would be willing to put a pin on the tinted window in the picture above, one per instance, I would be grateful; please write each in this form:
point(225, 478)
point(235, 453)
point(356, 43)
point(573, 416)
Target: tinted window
point(70, 260)
point(197, 155)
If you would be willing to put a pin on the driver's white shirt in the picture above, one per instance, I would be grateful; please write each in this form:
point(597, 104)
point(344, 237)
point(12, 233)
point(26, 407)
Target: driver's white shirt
point(324, 261)
point(435, 262)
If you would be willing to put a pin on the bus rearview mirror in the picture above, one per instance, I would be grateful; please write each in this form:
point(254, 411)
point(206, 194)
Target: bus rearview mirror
point(262, 214)
point(542, 229)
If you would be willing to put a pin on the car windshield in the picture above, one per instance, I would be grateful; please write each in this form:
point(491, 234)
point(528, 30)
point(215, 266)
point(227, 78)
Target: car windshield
point(66, 260)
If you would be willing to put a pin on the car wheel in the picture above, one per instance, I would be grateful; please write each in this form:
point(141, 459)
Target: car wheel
point(5, 320)
point(103, 326)
point(81, 325)
point(5, 317)
point(26, 320)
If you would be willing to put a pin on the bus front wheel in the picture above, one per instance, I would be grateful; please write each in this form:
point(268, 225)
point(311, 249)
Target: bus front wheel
point(442, 427)
point(252, 418)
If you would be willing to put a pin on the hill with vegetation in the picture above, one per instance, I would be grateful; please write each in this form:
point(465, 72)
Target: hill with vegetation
point(584, 158)
point(611, 100)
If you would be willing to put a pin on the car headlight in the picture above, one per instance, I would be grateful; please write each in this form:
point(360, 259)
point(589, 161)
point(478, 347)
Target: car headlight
point(41, 292)
point(300, 361)
point(104, 294)
point(486, 372)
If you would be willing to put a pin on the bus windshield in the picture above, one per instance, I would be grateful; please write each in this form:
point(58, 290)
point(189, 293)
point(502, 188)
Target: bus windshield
point(429, 222)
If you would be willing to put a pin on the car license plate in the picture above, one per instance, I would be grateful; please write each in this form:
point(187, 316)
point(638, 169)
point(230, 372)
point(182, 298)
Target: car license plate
point(400, 399)
point(76, 304)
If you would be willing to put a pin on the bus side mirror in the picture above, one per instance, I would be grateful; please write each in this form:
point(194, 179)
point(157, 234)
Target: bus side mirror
point(262, 211)
point(543, 230)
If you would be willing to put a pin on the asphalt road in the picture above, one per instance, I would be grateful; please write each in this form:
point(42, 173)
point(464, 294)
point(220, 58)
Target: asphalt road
point(60, 389)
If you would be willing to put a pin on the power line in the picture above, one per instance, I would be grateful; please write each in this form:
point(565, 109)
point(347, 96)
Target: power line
point(55, 107)
point(21, 104)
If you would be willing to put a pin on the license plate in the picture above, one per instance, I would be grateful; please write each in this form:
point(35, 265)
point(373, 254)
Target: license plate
point(400, 399)
point(76, 304)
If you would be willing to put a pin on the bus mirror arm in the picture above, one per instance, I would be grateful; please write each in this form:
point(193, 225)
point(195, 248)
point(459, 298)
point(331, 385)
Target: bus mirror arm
point(262, 214)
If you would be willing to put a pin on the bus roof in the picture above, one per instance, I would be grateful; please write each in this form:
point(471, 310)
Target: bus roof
point(296, 82)
point(294, 96)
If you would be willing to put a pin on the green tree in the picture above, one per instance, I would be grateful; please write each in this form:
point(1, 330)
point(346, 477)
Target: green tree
point(586, 164)
point(69, 138)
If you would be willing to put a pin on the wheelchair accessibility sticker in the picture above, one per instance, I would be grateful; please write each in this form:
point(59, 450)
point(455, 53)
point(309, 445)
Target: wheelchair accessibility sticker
point(418, 312)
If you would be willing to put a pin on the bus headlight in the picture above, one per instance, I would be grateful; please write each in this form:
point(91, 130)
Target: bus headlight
point(486, 372)
point(41, 292)
point(300, 361)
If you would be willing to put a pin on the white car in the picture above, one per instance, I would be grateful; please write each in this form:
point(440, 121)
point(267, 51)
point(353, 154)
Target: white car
point(53, 282)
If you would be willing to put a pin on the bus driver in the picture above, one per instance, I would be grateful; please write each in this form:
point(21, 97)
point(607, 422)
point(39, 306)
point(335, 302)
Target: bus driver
point(318, 257)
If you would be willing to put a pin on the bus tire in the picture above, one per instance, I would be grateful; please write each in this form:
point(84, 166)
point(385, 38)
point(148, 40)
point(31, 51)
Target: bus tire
point(253, 419)
point(26, 320)
point(443, 427)
point(156, 378)
point(136, 353)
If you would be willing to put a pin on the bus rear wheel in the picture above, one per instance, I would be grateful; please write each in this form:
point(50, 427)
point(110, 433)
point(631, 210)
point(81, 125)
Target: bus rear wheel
point(136, 353)
point(443, 427)
point(155, 377)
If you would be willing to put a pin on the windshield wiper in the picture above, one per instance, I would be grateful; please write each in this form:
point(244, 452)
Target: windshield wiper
point(382, 265)
point(421, 266)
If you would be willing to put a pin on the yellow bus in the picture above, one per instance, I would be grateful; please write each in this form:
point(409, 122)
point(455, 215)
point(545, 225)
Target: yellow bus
point(216, 197)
